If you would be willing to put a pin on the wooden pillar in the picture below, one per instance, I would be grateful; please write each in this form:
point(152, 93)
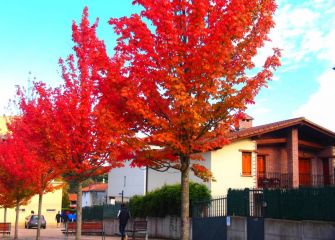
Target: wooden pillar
point(293, 156)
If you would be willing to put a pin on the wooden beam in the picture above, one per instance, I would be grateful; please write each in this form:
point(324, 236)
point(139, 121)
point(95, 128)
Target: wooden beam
point(310, 144)
point(271, 141)
point(247, 150)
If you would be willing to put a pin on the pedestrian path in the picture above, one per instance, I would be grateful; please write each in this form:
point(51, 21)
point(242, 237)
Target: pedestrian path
point(51, 233)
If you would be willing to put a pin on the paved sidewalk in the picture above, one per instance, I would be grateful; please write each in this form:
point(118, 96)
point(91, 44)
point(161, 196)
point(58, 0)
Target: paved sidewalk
point(51, 234)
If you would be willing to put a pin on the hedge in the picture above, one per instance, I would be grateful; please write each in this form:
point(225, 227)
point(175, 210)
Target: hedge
point(166, 201)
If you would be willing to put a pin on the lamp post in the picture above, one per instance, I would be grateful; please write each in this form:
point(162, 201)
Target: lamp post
point(121, 193)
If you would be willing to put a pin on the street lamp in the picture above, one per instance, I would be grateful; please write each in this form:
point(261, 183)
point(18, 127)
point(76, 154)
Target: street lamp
point(121, 193)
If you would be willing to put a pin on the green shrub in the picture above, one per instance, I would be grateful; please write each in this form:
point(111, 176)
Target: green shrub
point(166, 201)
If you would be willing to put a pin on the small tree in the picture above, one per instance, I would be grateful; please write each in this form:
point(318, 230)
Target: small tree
point(17, 175)
point(5, 201)
point(32, 128)
point(74, 130)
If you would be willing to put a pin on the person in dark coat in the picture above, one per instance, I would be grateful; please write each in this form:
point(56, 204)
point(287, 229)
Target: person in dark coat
point(58, 218)
point(123, 216)
point(65, 218)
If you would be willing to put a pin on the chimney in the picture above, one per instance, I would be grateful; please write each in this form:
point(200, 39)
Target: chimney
point(245, 122)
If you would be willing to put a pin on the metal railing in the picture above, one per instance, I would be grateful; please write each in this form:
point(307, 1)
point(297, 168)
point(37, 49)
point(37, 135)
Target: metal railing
point(257, 203)
point(216, 207)
point(284, 180)
point(274, 180)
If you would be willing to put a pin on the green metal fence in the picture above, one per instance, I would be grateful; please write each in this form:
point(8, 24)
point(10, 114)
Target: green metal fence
point(100, 212)
point(293, 204)
point(238, 202)
point(303, 203)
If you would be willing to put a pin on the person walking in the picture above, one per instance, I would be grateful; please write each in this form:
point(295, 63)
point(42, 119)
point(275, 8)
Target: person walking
point(65, 218)
point(58, 218)
point(123, 216)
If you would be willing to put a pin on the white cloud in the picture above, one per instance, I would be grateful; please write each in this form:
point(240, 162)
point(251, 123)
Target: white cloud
point(301, 29)
point(320, 108)
point(305, 31)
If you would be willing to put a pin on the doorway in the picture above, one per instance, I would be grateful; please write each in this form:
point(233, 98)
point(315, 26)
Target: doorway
point(304, 171)
point(326, 175)
point(261, 170)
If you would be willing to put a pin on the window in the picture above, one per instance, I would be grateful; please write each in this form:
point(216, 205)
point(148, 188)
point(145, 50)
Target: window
point(246, 163)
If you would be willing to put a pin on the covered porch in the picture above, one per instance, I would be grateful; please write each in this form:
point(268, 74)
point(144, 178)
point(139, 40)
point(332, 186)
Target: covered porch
point(296, 156)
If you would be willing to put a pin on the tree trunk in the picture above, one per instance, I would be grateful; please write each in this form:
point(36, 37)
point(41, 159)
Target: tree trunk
point(40, 197)
point(4, 218)
point(17, 210)
point(185, 198)
point(79, 210)
point(5, 215)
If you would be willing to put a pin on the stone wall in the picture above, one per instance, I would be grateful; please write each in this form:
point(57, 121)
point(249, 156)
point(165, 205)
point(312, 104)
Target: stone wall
point(277, 229)
point(274, 229)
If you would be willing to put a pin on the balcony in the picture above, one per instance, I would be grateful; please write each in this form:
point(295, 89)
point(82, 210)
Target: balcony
point(284, 180)
point(274, 180)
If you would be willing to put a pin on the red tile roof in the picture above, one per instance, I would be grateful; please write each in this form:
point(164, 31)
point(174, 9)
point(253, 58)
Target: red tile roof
point(253, 131)
point(99, 187)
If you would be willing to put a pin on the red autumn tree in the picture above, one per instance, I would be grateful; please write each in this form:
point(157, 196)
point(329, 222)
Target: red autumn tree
point(86, 139)
point(17, 174)
point(34, 128)
point(6, 198)
point(190, 75)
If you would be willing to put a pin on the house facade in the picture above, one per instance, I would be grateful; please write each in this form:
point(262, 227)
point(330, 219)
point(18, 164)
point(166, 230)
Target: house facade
point(292, 153)
point(287, 154)
point(52, 203)
point(95, 194)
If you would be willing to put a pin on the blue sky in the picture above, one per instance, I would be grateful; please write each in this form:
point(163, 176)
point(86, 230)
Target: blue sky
point(36, 33)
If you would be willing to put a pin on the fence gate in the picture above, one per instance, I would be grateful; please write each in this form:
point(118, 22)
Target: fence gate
point(209, 220)
point(255, 228)
point(211, 228)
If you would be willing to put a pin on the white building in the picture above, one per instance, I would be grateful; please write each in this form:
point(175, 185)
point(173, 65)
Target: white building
point(129, 181)
point(95, 194)
point(126, 182)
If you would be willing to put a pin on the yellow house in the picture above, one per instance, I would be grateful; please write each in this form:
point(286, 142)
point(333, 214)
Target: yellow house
point(51, 203)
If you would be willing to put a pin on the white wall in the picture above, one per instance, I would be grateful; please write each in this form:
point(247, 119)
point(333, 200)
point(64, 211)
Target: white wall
point(227, 167)
point(158, 179)
point(225, 164)
point(130, 180)
point(87, 201)
point(93, 198)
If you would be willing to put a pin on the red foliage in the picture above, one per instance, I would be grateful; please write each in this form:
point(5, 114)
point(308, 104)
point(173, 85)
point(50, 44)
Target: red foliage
point(87, 144)
point(188, 74)
point(17, 172)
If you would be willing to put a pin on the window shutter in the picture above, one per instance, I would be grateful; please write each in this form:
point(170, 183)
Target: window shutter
point(246, 163)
